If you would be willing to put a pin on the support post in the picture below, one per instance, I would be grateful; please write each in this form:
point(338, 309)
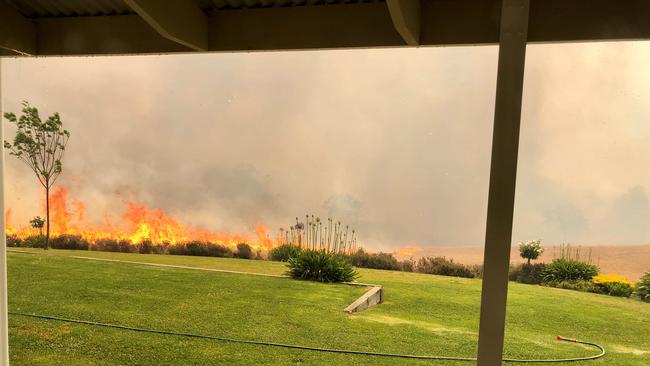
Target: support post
point(4, 315)
point(181, 21)
point(503, 175)
point(406, 19)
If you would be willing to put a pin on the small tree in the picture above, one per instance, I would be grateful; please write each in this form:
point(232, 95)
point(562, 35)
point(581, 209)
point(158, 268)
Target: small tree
point(38, 223)
point(40, 145)
point(531, 250)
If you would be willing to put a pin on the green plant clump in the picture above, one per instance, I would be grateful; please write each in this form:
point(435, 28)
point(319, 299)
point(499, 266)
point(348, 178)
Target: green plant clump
point(643, 288)
point(34, 241)
point(321, 266)
point(443, 267)
point(363, 259)
point(284, 252)
point(14, 241)
point(531, 274)
point(620, 289)
point(565, 269)
point(577, 285)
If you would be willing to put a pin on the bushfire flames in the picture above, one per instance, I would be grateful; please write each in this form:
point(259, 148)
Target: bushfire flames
point(137, 223)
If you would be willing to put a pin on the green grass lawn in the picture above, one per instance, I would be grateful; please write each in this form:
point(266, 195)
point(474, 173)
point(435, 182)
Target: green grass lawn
point(423, 314)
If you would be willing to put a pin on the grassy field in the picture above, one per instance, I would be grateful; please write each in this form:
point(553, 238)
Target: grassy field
point(423, 314)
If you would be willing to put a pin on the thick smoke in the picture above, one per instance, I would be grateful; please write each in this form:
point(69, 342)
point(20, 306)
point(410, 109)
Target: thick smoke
point(394, 142)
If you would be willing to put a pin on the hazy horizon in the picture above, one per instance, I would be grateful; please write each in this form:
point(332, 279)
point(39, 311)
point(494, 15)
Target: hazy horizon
point(395, 142)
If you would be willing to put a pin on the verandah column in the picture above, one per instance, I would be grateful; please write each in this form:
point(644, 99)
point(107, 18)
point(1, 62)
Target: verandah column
point(503, 174)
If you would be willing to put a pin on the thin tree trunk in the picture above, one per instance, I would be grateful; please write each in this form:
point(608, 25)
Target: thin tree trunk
point(47, 215)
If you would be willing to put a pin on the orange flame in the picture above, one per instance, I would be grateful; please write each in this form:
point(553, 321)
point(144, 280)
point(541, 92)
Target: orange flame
point(138, 223)
point(409, 251)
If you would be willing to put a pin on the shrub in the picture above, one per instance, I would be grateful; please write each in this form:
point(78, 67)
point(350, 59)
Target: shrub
point(407, 265)
point(532, 274)
point(531, 250)
point(321, 266)
point(71, 242)
point(443, 267)
point(642, 291)
point(374, 260)
point(199, 248)
point(578, 285)
point(477, 270)
point(14, 241)
point(565, 269)
point(111, 245)
point(34, 241)
point(283, 252)
point(613, 285)
point(147, 247)
point(244, 251)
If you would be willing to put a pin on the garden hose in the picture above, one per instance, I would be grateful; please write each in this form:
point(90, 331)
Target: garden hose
point(319, 349)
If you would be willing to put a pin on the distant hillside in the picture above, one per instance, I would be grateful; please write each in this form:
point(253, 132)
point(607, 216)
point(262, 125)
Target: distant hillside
point(631, 261)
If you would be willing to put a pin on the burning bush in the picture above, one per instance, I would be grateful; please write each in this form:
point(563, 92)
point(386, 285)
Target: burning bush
point(244, 251)
point(72, 242)
point(321, 266)
point(284, 252)
point(443, 267)
point(380, 260)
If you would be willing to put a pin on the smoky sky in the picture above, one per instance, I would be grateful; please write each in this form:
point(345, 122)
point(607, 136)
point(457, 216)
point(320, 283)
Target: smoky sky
point(394, 142)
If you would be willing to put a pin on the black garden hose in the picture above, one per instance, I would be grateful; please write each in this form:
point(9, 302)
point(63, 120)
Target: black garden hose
point(319, 349)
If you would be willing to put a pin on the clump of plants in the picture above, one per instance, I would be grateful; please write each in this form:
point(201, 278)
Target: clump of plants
point(315, 234)
point(284, 252)
point(532, 274)
point(579, 285)
point(565, 269)
point(111, 245)
point(34, 241)
point(321, 266)
point(613, 285)
point(443, 267)
point(572, 265)
point(363, 259)
point(244, 251)
point(642, 291)
point(200, 248)
point(71, 242)
point(149, 247)
point(13, 241)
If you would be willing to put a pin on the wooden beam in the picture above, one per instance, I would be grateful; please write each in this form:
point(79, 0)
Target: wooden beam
point(181, 21)
point(503, 176)
point(303, 27)
point(17, 34)
point(101, 35)
point(353, 25)
point(406, 19)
